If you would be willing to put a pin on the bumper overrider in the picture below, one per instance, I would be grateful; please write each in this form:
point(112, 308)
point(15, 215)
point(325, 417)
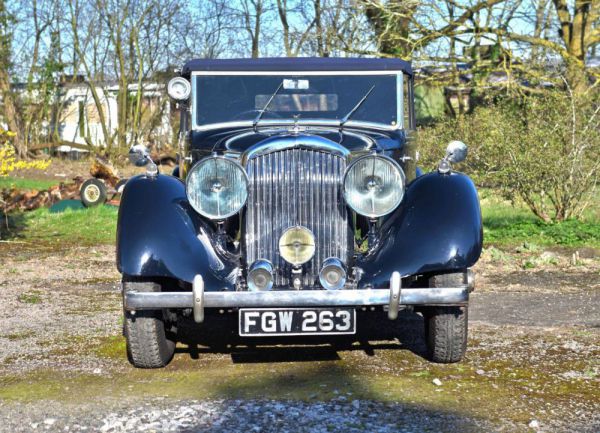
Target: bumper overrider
point(392, 297)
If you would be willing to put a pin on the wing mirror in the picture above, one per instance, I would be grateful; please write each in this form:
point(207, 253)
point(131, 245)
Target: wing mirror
point(456, 152)
point(139, 155)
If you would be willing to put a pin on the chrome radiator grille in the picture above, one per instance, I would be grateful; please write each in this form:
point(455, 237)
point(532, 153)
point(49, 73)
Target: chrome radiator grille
point(296, 187)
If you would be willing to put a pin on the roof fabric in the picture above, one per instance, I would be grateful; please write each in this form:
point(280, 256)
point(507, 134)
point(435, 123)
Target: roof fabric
point(301, 64)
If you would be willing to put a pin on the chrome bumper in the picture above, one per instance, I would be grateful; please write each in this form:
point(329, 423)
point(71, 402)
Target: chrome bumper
point(393, 297)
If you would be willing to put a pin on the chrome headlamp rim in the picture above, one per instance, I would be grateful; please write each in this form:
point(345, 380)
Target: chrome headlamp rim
point(376, 156)
point(229, 160)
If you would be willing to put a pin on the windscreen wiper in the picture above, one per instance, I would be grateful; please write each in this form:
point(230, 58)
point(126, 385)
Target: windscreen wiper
point(356, 107)
point(261, 112)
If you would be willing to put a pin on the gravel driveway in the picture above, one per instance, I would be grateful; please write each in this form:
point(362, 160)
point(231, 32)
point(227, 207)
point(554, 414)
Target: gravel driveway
point(532, 364)
point(537, 309)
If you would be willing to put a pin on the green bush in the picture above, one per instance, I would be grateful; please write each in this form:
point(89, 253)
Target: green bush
point(542, 149)
point(512, 224)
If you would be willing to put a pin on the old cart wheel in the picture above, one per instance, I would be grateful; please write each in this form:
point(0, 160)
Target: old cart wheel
point(150, 342)
point(93, 193)
point(446, 327)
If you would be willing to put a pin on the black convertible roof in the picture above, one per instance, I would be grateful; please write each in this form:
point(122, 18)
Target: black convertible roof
point(292, 64)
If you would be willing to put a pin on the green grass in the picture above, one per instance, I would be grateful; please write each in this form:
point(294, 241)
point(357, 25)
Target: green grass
point(77, 227)
point(19, 183)
point(504, 224)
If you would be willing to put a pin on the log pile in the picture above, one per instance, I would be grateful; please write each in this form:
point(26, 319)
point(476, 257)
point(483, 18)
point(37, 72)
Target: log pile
point(23, 200)
point(102, 169)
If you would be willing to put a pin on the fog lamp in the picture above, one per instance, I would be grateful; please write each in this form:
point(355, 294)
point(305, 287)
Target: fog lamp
point(333, 274)
point(297, 245)
point(260, 276)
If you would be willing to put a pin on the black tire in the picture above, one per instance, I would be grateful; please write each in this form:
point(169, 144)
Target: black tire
point(120, 186)
point(446, 328)
point(93, 192)
point(150, 342)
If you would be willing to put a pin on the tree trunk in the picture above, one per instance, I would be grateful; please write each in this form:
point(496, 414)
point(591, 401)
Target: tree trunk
point(321, 50)
point(576, 32)
point(12, 113)
point(391, 23)
point(282, 10)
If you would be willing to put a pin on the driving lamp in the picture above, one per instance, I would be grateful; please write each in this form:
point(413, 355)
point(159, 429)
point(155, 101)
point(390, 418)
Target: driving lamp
point(179, 89)
point(297, 245)
point(260, 276)
point(333, 274)
point(217, 188)
point(374, 186)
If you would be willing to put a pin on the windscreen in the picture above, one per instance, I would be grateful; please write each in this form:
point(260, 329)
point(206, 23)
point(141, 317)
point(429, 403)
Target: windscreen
point(224, 98)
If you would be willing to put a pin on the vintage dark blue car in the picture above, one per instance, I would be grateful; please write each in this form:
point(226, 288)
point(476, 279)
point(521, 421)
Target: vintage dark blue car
point(296, 202)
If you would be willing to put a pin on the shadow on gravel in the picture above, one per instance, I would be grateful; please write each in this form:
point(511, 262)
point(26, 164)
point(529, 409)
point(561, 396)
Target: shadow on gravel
point(219, 334)
point(320, 396)
point(339, 414)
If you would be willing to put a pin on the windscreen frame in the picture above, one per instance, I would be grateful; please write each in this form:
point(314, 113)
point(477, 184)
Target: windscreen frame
point(400, 123)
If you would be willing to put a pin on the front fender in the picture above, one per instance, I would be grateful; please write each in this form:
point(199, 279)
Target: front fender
point(160, 235)
point(437, 228)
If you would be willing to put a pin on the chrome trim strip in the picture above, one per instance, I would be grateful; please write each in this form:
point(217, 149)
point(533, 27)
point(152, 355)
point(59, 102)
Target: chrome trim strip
point(145, 300)
point(400, 101)
point(296, 73)
point(291, 122)
point(296, 298)
point(278, 143)
point(280, 131)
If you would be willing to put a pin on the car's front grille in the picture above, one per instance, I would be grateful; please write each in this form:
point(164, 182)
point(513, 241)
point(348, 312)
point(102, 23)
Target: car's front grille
point(296, 187)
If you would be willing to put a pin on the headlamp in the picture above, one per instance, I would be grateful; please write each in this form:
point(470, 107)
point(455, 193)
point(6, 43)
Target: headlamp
point(374, 186)
point(217, 188)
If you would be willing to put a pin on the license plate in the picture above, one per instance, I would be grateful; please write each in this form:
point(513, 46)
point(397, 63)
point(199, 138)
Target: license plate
point(296, 321)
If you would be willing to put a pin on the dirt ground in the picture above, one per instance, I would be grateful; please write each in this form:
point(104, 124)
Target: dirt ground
point(533, 362)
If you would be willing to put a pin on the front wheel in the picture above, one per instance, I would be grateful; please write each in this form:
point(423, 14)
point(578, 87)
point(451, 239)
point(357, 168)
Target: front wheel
point(150, 344)
point(446, 328)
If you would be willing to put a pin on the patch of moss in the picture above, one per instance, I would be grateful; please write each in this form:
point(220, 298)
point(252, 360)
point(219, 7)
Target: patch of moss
point(19, 335)
point(32, 297)
point(410, 381)
point(111, 347)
